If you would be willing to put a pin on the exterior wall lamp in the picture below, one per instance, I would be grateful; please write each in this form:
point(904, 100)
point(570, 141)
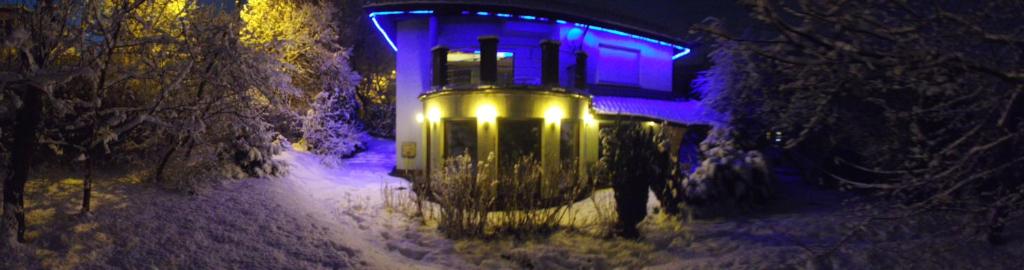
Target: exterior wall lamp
point(434, 115)
point(553, 115)
point(486, 113)
point(588, 118)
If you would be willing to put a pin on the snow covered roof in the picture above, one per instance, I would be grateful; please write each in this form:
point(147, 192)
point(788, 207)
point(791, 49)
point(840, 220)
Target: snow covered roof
point(685, 112)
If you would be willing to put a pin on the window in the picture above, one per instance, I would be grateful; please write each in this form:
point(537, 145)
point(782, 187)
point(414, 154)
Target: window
point(518, 139)
point(460, 138)
point(569, 143)
point(620, 66)
point(464, 68)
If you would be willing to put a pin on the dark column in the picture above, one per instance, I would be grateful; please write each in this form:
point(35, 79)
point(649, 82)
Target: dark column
point(549, 62)
point(579, 80)
point(488, 60)
point(440, 62)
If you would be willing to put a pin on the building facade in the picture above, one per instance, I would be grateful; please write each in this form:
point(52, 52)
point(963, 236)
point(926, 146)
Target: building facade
point(514, 80)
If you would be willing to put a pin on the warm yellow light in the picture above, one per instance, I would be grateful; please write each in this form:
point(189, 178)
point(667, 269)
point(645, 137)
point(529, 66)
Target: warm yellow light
point(588, 118)
point(486, 113)
point(651, 123)
point(554, 114)
point(419, 118)
point(434, 115)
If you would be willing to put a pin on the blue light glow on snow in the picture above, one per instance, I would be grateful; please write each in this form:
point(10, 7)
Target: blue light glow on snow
point(683, 50)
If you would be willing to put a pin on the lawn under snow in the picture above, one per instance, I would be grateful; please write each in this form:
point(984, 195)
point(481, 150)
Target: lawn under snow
point(321, 217)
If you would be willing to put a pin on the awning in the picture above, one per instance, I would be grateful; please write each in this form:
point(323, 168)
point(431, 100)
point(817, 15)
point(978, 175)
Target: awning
point(687, 112)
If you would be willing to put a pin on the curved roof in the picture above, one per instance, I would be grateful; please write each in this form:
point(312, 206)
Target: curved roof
point(553, 9)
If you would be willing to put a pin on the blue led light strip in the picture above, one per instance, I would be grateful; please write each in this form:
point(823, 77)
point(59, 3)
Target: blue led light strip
point(681, 54)
point(373, 17)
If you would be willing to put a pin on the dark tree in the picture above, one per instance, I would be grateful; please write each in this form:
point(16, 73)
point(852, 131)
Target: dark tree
point(917, 100)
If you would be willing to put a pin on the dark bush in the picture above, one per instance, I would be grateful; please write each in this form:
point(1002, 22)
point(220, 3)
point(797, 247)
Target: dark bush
point(379, 120)
point(630, 158)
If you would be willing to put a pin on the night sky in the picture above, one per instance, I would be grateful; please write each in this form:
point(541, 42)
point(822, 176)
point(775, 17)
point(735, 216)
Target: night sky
point(674, 15)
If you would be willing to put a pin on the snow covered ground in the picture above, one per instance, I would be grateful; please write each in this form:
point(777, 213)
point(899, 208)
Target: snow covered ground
point(318, 217)
point(321, 217)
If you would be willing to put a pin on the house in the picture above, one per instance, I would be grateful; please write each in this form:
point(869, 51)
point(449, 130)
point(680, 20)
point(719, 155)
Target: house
point(524, 78)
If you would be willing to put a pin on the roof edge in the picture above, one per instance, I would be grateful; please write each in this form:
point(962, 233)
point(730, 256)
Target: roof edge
point(521, 7)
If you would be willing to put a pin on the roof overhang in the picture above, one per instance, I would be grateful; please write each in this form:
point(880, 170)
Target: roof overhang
point(379, 13)
point(682, 112)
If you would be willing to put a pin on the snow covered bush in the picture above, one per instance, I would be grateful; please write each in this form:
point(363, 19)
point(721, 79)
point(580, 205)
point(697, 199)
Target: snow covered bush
point(251, 152)
point(728, 179)
point(287, 122)
point(328, 132)
point(331, 127)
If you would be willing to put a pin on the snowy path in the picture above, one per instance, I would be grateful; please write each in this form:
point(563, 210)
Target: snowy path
point(317, 217)
point(351, 194)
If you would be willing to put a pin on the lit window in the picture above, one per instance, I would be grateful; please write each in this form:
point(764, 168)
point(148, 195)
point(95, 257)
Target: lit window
point(464, 68)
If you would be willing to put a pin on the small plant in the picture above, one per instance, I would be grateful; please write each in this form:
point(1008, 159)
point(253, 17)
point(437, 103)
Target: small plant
point(398, 199)
point(529, 199)
point(537, 200)
point(465, 194)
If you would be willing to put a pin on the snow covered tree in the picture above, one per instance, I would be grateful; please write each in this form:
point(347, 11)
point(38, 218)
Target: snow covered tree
point(220, 120)
point(304, 36)
point(331, 126)
point(301, 34)
point(179, 87)
point(918, 100)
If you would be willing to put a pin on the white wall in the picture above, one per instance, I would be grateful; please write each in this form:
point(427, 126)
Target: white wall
point(412, 70)
point(654, 70)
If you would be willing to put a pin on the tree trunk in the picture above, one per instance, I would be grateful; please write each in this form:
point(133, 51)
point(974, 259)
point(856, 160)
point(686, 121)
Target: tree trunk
point(163, 162)
point(87, 190)
point(996, 217)
point(25, 127)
